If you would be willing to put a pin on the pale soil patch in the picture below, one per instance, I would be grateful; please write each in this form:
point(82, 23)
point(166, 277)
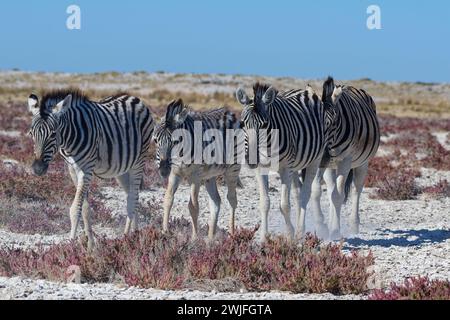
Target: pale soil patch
point(20, 288)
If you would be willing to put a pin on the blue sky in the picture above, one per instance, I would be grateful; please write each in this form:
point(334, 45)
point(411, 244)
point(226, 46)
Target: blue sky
point(306, 39)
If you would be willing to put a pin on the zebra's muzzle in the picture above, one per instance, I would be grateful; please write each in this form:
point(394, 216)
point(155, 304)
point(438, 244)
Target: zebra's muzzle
point(39, 167)
point(164, 169)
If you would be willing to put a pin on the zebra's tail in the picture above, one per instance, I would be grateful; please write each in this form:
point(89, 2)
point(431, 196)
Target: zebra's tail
point(348, 184)
point(328, 88)
point(240, 185)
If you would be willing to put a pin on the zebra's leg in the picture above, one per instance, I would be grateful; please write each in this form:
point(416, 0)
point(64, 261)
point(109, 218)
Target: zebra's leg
point(330, 181)
point(359, 176)
point(124, 182)
point(130, 183)
point(310, 174)
point(285, 204)
point(83, 183)
point(335, 179)
point(264, 203)
point(232, 182)
point(85, 212)
point(321, 228)
point(194, 208)
point(133, 200)
point(173, 183)
point(214, 205)
point(297, 186)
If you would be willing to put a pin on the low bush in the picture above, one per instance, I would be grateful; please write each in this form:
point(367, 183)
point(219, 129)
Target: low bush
point(398, 186)
point(379, 167)
point(31, 204)
point(149, 258)
point(420, 288)
point(18, 182)
point(439, 190)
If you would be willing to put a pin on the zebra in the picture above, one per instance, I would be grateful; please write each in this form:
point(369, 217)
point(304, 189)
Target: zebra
point(352, 138)
point(298, 116)
point(179, 118)
point(107, 139)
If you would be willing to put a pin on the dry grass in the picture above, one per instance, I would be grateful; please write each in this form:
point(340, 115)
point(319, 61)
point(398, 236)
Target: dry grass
point(206, 91)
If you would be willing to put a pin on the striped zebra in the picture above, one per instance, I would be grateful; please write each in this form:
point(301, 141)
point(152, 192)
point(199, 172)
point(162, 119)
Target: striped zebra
point(107, 139)
point(353, 136)
point(298, 116)
point(182, 166)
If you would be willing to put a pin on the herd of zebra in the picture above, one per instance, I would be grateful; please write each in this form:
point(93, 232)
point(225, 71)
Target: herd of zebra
point(330, 138)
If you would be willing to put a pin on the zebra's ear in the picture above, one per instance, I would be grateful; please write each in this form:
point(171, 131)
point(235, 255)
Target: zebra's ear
point(64, 104)
point(336, 93)
point(270, 95)
point(310, 90)
point(33, 104)
point(242, 97)
point(180, 117)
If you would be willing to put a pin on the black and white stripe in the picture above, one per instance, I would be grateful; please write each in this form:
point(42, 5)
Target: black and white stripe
point(352, 139)
point(186, 167)
point(352, 126)
point(298, 116)
point(110, 138)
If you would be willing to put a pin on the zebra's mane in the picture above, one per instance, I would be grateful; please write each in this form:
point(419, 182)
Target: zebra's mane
point(114, 97)
point(177, 106)
point(174, 108)
point(50, 99)
point(259, 89)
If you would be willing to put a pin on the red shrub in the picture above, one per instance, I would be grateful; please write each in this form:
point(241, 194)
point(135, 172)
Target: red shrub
point(379, 167)
point(438, 158)
point(31, 204)
point(439, 190)
point(420, 288)
point(391, 124)
point(17, 148)
point(14, 117)
point(394, 175)
point(17, 182)
point(150, 259)
point(35, 218)
point(400, 186)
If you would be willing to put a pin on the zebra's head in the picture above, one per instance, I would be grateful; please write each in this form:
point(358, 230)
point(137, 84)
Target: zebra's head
point(255, 117)
point(44, 129)
point(330, 96)
point(176, 114)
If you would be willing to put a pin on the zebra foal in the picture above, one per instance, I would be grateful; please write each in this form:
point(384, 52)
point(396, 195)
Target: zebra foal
point(202, 130)
point(107, 139)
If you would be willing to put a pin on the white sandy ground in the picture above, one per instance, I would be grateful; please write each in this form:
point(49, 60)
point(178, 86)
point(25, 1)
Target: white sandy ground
point(407, 238)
